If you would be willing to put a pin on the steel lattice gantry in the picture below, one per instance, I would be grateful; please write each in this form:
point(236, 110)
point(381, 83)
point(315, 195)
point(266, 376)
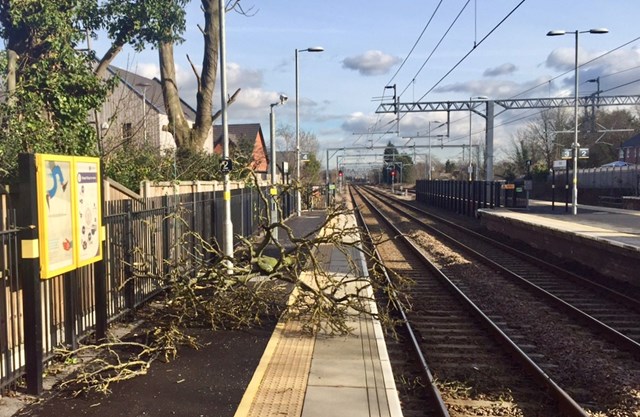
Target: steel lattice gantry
point(509, 104)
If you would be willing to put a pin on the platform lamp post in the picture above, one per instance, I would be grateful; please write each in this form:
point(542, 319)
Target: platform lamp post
point(576, 145)
point(272, 140)
point(298, 196)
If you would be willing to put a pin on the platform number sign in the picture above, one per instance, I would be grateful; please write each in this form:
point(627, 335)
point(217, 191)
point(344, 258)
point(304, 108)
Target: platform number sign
point(226, 165)
point(583, 153)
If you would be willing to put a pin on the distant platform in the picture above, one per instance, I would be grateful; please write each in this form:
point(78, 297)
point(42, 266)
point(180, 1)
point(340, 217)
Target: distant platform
point(605, 239)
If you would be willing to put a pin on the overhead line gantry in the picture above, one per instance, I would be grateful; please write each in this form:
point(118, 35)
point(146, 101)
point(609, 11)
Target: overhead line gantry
point(507, 104)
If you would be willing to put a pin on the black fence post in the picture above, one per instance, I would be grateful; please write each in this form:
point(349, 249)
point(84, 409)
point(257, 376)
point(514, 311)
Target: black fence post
point(100, 272)
point(464, 196)
point(70, 283)
point(100, 291)
point(474, 197)
point(446, 199)
point(30, 272)
point(494, 197)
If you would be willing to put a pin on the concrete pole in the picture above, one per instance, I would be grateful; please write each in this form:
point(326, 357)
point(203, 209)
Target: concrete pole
point(298, 197)
point(576, 145)
point(489, 140)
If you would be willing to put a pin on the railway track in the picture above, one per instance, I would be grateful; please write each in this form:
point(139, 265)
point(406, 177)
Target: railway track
point(473, 369)
point(599, 372)
point(614, 314)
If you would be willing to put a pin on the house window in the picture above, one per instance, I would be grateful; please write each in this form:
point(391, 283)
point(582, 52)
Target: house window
point(127, 132)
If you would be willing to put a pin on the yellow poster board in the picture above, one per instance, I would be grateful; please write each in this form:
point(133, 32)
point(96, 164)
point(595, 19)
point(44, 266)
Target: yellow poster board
point(69, 212)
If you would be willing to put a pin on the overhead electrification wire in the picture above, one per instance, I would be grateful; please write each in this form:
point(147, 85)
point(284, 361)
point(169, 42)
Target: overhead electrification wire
point(519, 118)
point(579, 66)
point(621, 85)
point(435, 48)
point(472, 49)
point(433, 15)
point(475, 45)
point(404, 61)
point(467, 54)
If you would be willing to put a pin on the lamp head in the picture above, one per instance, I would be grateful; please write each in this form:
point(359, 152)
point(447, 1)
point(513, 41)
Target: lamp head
point(599, 31)
point(556, 32)
point(315, 49)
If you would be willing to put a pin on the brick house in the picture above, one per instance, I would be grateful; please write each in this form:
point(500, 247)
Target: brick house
point(250, 132)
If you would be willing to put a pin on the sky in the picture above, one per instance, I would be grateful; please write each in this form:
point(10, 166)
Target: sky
point(420, 46)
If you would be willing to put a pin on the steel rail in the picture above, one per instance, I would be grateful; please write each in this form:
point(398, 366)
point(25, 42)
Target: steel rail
point(566, 404)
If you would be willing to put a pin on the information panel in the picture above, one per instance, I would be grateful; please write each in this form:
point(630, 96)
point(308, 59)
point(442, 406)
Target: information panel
point(89, 215)
point(69, 212)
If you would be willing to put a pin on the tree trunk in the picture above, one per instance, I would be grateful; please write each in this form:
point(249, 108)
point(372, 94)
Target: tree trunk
point(12, 63)
point(178, 124)
point(191, 139)
point(101, 69)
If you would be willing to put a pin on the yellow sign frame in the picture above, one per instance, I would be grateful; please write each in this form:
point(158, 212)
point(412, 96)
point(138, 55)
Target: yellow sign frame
point(69, 191)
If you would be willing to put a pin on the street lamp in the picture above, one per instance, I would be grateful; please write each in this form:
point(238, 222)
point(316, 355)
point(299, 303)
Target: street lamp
point(576, 145)
point(470, 169)
point(299, 198)
point(274, 191)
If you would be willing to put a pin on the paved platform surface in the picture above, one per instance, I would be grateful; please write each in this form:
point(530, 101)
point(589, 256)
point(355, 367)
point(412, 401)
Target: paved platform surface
point(616, 227)
point(316, 376)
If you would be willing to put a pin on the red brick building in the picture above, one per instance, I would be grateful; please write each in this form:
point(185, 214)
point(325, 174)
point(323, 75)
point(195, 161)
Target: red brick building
point(249, 132)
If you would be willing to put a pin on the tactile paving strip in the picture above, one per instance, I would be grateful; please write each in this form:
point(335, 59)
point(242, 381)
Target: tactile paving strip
point(282, 389)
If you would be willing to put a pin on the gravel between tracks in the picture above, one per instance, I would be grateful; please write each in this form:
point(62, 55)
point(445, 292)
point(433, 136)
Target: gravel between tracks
point(608, 384)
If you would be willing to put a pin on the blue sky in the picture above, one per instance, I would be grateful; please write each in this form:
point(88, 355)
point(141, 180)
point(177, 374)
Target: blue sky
point(365, 43)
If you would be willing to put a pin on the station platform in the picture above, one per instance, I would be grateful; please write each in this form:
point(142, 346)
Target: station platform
point(605, 239)
point(302, 375)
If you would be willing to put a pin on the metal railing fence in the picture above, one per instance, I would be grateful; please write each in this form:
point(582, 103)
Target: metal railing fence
point(140, 248)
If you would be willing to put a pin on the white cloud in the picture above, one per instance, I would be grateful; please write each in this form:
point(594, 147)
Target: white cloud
point(617, 71)
point(371, 63)
point(496, 88)
point(148, 70)
point(238, 77)
point(359, 122)
point(504, 69)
